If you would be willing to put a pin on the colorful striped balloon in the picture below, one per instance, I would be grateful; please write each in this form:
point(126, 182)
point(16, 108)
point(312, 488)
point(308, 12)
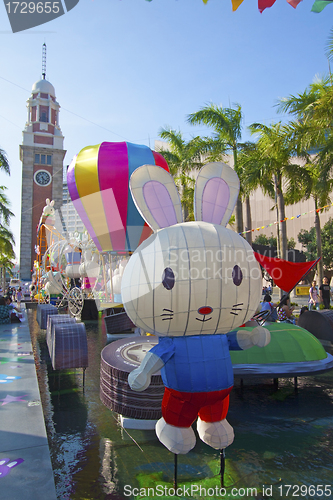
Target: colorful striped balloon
point(98, 183)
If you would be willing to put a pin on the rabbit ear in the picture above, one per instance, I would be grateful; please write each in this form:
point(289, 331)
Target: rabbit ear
point(47, 201)
point(216, 192)
point(52, 203)
point(156, 197)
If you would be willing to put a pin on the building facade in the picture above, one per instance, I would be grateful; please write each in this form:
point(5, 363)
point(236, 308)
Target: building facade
point(42, 155)
point(70, 219)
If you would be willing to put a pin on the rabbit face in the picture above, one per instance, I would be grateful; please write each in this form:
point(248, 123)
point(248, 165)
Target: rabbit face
point(191, 278)
point(48, 210)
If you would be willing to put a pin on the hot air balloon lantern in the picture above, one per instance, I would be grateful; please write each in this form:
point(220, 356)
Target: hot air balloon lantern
point(98, 183)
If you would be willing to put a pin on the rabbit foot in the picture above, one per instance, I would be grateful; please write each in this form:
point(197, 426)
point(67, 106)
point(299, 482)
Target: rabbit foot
point(178, 440)
point(218, 435)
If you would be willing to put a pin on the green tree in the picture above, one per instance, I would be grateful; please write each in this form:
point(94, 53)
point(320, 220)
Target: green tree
point(279, 172)
point(262, 239)
point(271, 241)
point(311, 133)
point(7, 254)
point(183, 157)
point(6, 236)
point(308, 240)
point(251, 177)
point(226, 123)
point(4, 165)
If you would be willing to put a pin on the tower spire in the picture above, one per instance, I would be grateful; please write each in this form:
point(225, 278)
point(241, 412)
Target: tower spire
point(44, 61)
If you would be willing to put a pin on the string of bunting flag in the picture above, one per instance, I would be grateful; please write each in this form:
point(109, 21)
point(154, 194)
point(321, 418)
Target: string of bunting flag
point(287, 218)
point(317, 7)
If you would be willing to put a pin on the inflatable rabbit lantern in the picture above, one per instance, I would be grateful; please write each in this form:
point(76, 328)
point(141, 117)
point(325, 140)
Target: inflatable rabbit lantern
point(48, 215)
point(193, 284)
point(48, 210)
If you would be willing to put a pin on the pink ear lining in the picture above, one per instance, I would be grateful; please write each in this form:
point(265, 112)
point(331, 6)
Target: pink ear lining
point(215, 199)
point(159, 203)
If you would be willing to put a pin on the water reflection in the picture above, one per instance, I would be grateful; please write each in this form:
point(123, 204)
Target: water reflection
point(281, 436)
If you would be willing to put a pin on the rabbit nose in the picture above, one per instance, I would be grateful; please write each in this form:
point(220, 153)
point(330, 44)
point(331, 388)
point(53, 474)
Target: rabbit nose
point(205, 310)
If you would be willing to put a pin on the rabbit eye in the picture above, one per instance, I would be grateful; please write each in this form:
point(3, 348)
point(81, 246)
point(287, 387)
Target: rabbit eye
point(237, 275)
point(168, 278)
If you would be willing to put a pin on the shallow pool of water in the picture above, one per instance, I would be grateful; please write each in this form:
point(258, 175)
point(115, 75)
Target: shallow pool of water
point(282, 438)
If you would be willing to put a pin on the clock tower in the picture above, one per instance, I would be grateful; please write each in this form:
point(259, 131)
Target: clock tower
point(42, 155)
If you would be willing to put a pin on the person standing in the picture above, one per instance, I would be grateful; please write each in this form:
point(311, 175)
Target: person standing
point(314, 297)
point(19, 296)
point(325, 293)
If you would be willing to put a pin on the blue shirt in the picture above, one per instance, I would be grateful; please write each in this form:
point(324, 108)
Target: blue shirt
point(197, 363)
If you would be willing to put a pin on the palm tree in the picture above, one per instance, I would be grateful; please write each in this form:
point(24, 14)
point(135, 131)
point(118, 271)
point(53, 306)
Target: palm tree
point(5, 212)
point(6, 236)
point(226, 123)
point(6, 253)
point(183, 157)
point(252, 176)
point(4, 165)
point(312, 135)
point(275, 152)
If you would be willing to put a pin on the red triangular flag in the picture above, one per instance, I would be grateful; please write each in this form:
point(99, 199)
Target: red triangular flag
point(285, 274)
point(264, 4)
point(294, 3)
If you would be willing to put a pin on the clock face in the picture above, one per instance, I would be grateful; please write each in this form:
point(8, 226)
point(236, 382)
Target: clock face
point(42, 178)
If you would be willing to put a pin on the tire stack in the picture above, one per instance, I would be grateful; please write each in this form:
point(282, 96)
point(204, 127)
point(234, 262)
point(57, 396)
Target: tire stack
point(118, 359)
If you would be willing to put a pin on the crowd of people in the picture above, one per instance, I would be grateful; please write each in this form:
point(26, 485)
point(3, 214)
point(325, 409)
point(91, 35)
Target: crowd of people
point(283, 311)
point(9, 313)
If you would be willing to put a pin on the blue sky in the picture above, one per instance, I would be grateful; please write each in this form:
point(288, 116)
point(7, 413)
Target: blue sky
point(122, 69)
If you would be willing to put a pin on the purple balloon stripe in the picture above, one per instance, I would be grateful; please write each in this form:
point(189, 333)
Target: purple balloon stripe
point(113, 180)
point(71, 180)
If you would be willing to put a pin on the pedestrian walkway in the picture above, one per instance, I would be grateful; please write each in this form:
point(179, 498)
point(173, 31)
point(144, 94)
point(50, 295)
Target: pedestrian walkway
point(25, 464)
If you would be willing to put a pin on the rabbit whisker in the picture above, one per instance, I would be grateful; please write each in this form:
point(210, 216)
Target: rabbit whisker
point(165, 319)
point(240, 304)
point(170, 310)
point(236, 309)
point(236, 314)
point(167, 314)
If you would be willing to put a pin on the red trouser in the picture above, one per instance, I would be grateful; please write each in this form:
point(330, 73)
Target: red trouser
point(182, 408)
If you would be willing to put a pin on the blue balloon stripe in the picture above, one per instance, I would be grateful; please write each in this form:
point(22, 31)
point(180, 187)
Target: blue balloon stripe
point(137, 155)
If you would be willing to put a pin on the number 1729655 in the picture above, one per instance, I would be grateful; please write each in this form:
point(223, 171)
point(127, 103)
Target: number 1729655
point(33, 7)
point(305, 490)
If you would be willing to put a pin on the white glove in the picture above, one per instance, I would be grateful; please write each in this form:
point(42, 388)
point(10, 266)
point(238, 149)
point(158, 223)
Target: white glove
point(259, 336)
point(139, 379)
